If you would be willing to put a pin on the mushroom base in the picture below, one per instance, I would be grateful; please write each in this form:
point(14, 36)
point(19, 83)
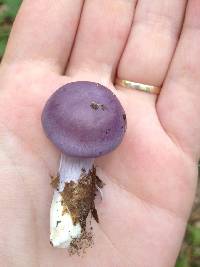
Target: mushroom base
point(76, 201)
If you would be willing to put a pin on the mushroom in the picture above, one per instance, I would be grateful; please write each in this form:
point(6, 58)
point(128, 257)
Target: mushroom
point(84, 120)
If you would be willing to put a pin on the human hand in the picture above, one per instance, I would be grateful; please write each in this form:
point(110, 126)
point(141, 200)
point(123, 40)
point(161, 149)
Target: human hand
point(151, 178)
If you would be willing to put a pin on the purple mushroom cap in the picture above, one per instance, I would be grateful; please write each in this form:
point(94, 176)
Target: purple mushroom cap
point(84, 119)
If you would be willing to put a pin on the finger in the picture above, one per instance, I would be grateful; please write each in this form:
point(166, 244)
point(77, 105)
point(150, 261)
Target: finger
point(43, 32)
point(179, 103)
point(103, 30)
point(152, 41)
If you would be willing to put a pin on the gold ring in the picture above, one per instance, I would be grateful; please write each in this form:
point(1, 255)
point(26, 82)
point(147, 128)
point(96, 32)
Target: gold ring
point(138, 86)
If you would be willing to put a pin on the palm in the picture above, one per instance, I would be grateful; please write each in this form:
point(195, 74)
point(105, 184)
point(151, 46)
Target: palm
point(148, 192)
point(133, 198)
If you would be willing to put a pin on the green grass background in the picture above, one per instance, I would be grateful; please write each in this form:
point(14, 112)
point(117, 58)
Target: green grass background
point(8, 10)
point(190, 252)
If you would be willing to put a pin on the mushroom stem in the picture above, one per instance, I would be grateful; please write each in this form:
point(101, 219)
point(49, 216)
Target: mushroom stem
point(70, 169)
point(63, 228)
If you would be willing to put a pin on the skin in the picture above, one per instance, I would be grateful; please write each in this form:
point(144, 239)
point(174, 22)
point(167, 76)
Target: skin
point(151, 178)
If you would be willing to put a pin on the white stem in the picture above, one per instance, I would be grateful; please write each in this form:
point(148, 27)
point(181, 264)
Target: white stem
point(62, 228)
point(70, 169)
